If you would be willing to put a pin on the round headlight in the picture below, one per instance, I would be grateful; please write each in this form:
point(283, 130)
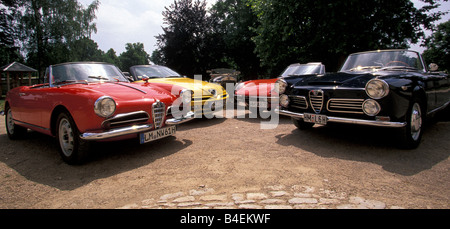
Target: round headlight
point(186, 96)
point(105, 106)
point(284, 100)
point(377, 89)
point(371, 107)
point(280, 86)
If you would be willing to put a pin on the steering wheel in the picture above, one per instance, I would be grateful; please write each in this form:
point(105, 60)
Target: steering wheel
point(397, 61)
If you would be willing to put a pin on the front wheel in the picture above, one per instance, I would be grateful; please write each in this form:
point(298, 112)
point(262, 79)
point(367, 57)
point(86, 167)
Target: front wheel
point(13, 131)
point(411, 134)
point(72, 148)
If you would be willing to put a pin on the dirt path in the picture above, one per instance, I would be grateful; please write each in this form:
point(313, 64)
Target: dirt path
point(230, 160)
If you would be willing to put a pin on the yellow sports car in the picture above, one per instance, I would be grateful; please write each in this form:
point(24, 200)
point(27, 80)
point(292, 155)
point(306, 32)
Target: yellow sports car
point(207, 97)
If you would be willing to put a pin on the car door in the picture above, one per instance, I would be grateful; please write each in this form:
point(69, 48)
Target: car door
point(442, 86)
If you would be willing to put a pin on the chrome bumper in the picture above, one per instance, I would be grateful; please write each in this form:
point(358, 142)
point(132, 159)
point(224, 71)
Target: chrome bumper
point(174, 121)
point(346, 120)
point(133, 129)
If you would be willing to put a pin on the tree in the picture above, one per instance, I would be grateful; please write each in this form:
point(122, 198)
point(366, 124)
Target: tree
point(438, 47)
point(111, 57)
point(52, 28)
point(188, 43)
point(9, 51)
point(235, 20)
point(327, 31)
point(134, 55)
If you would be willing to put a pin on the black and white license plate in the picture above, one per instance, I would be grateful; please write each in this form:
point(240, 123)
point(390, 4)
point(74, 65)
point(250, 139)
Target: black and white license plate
point(315, 118)
point(157, 134)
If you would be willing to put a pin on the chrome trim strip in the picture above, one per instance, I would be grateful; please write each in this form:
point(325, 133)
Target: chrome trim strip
point(174, 121)
point(116, 132)
point(50, 76)
point(31, 125)
point(113, 120)
point(131, 87)
point(346, 120)
point(439, 108)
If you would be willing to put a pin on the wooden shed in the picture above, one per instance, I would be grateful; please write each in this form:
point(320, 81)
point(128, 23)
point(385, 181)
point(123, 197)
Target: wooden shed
point(14, 75)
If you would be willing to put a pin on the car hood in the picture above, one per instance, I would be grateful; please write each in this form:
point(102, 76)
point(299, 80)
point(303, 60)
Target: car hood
point(199, 87)
point(262, 87)
point(121, 91)
point(341, 79)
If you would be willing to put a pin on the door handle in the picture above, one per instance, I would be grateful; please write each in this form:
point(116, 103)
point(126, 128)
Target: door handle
point(21, 94)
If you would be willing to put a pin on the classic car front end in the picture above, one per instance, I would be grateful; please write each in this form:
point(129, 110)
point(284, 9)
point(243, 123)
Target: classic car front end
point(207, 98)
point(260, 93)
point(390, 88)
point(89, 101)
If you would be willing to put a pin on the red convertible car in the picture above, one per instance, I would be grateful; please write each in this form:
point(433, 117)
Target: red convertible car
point(259, 93)
point(89, 101)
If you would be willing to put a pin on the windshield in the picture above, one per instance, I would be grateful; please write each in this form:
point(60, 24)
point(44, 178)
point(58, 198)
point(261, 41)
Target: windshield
point(154, 72)
point(302, 69)
point(87, 72)
point(383, 60)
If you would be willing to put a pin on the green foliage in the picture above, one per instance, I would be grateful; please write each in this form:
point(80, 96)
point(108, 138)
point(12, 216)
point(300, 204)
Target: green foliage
point(235, 20)
point(438, 47)
point(327, 31)
point(134, 55)
point(55, 31)
point(9, 52)
point(188, 43)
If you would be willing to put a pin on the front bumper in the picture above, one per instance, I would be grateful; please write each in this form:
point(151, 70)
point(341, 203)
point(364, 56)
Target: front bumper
point(347, 120)
point(118, 132)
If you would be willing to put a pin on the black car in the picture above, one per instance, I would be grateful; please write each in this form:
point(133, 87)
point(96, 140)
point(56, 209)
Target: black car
point(387, 88)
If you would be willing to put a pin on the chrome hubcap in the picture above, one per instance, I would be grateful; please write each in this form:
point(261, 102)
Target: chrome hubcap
point(416, 121)
point(66, 137)
point(10, 122)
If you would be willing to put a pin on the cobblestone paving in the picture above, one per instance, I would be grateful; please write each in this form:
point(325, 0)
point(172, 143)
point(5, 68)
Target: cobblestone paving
point(270, 197)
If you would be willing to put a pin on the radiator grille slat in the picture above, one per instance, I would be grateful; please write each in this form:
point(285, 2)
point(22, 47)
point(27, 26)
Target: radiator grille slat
point(299, 102)
point(345, 105)
point(316, 100)
point(158, 112)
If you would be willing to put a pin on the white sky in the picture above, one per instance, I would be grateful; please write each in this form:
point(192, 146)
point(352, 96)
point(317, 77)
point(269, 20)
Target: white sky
point(120, 22)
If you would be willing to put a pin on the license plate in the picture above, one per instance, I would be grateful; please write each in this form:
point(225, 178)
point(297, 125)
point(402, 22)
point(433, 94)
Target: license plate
point(257, 104)
point(315, 118)
point(157, 134)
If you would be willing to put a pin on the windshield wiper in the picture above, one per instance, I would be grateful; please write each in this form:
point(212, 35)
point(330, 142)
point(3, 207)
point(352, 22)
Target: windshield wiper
point(99, 77)
point(68, 82)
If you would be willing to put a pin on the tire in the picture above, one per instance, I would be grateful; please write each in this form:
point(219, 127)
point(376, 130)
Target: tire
point(72, 148)
point(411, 135)
point(302, 125)
point(13, 131)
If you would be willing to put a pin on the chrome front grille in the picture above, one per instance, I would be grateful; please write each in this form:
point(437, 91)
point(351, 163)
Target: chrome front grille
point(126, 119)
point(316, 100)
point(298, 102)
point(158, 113)
point(345, 106)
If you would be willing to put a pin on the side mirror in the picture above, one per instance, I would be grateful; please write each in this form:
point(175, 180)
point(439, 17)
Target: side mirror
point(433, 67)
point(145, 78)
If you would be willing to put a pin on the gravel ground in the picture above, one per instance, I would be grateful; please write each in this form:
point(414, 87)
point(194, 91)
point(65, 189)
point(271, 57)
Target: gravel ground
point(233, 163)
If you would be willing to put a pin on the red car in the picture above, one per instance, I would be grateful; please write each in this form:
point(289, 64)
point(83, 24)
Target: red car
point(259, 93)
point(88, 101)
